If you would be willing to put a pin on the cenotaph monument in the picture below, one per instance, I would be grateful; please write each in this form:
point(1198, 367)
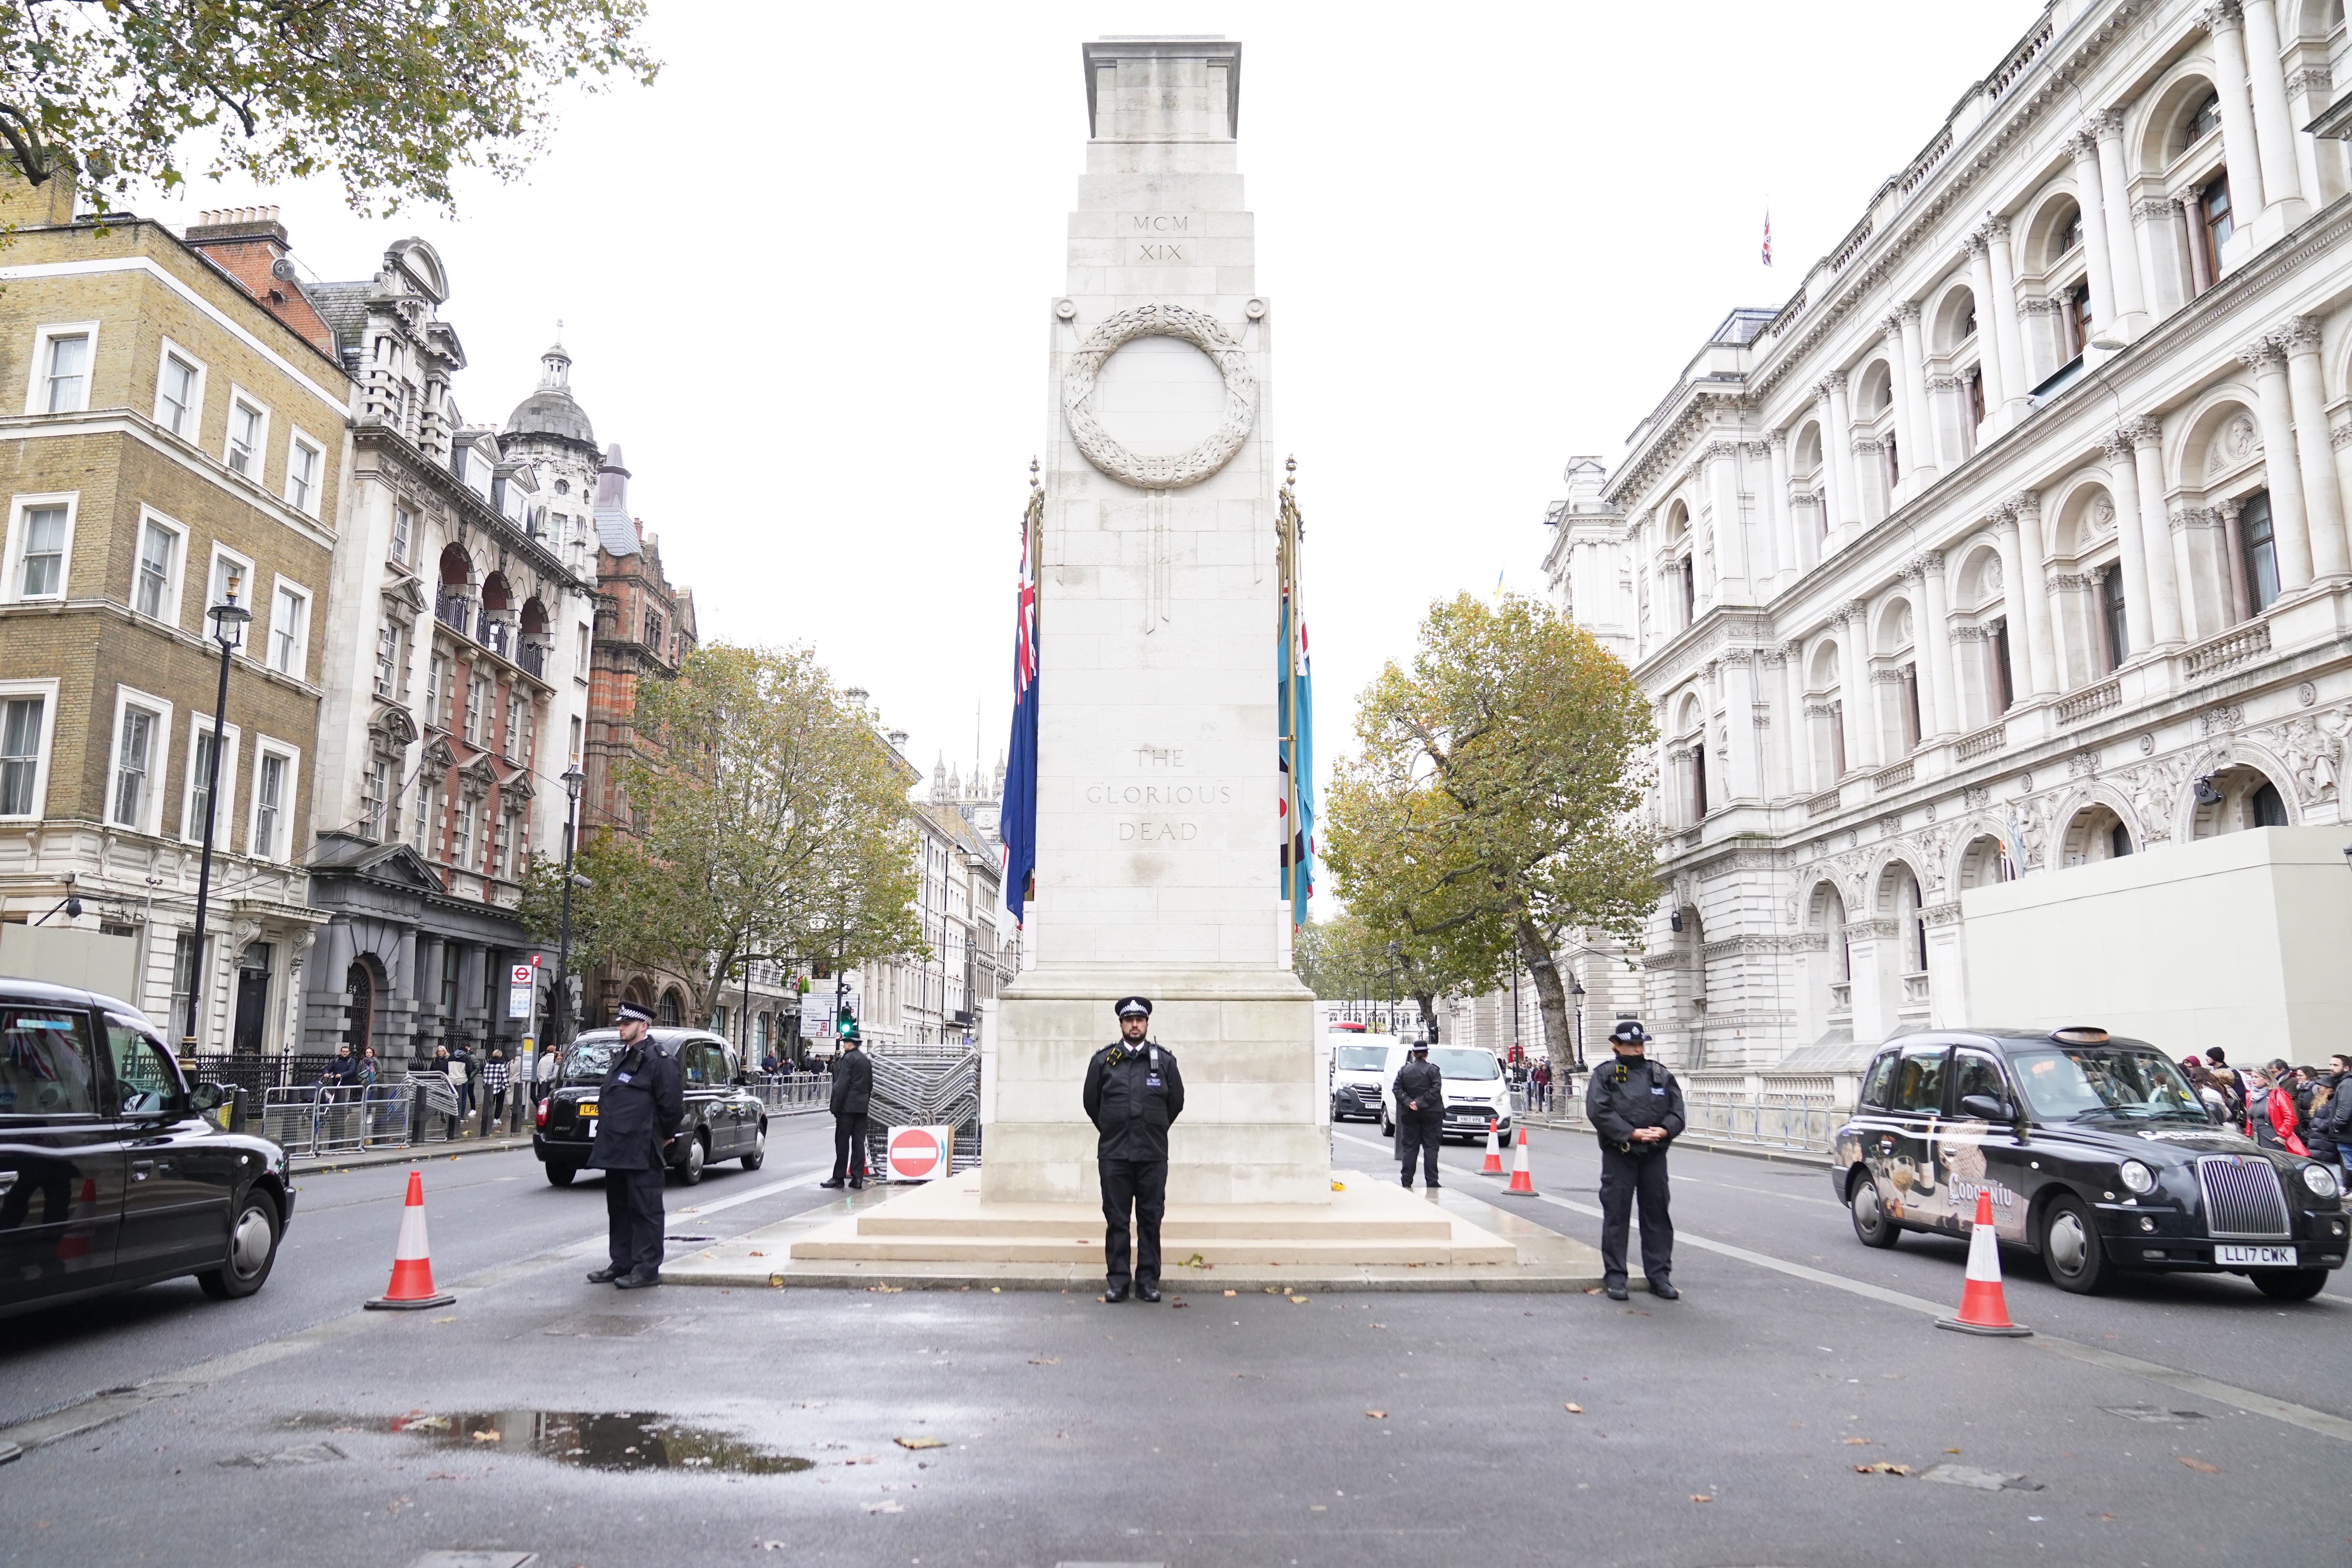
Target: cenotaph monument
point(1159, 844)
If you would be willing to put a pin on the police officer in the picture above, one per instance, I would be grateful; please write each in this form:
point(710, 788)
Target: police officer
point(640, 1103)
point(1132, 1094)
point(1420, 1090)
point(1636, 1109)
point(851, 1102)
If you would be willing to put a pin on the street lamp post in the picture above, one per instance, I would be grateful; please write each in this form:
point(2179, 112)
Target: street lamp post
point(562, 1021)
point(228, 621)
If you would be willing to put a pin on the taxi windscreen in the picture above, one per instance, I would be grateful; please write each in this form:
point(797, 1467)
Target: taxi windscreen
point(2083, 1081)
point(1468, 1065)
point(588, 1060)
point(1359, 1058)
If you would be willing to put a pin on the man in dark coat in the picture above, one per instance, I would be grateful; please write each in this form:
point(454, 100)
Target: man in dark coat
point(852, 1098)
point(639, 1106)
point(1420, 1090)
point(1132, 1095)
point(1636, 1110)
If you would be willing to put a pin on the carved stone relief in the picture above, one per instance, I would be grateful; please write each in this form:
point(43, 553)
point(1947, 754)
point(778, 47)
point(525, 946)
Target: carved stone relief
point(2237, 443)
point(1205, 332)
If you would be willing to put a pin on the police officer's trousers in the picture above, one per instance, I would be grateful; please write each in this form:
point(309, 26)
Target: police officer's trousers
point(1143, 1184)
point(849, 1153)
point(1424, 1136)
point(632, 1209)
point(1624, 1178)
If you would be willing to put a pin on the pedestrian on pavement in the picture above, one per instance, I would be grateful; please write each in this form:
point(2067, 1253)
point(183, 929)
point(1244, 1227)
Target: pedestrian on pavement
point(369, 1069)
point(769, 1064)
point(2320, 1133)
point(1636, 1110)
point(2208, 1089)
point(497, 1073)
point(341, 1072)
point(2271, 1120)
point(461, 1075)
point(851, 1097)
point(640, 1103)
point(1420, 1091)
point(2334, 1114)
point(444, 1068)
point(1133, 1094)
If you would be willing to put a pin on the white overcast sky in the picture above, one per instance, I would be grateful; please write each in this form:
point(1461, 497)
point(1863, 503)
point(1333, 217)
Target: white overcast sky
point(805, 279)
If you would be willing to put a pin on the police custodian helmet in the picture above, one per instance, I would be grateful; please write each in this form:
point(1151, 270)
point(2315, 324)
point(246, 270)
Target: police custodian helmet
point(1629, 1032)
point(1134, 1006)
point(627, 1011)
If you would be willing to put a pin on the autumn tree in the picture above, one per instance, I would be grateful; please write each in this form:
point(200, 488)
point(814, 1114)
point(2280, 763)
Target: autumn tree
point(773, 826)
point(1493, 806)
point(391, 96)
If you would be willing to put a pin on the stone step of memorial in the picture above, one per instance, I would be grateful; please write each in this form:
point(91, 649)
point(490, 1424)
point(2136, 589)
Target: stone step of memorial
point(1272, 1223)
point(1177, 1250)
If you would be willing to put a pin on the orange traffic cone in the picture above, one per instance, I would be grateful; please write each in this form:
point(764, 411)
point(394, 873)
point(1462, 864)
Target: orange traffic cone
point(1983, 1311)
point(411, 1261)
point(1523, 1181)
point(1493, 1165)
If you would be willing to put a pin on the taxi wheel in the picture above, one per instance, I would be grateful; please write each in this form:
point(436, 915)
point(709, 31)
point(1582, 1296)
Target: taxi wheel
point(1872, 1224)
point(560, 1176)
point(759, 1155)
point(689, 1170)
point(252, 1248)
point(2291, 1284)
point(1388, 1128)
point(2071, 1248)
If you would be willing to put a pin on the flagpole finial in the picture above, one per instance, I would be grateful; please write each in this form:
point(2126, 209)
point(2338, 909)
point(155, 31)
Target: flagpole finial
point(1289, 469)
point(1033, 473)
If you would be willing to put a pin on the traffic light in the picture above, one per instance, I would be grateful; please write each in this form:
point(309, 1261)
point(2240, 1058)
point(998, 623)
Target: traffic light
point(847, 1028)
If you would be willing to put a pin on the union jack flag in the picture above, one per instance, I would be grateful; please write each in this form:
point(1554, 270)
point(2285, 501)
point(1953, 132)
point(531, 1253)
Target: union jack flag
point(1768, 237)
point(1017, 823)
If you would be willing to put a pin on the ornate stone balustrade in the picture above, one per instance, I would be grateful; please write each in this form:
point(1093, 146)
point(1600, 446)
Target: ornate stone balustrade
point(2091, 702)
point(1822, 803)
point(1991, 738)
point(1891, 778)
point(2231, 649)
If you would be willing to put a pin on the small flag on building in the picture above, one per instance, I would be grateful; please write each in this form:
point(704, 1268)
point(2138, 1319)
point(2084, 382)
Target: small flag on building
point(1768, 237)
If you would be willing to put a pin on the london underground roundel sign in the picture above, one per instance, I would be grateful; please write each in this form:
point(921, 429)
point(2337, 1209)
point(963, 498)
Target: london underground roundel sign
point(920, 1153)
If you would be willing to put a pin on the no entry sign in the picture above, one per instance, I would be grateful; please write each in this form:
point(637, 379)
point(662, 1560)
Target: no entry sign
point(920, 1153)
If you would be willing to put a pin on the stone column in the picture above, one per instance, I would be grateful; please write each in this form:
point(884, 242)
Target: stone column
point(470, 958)
point(2155, 221)
point(1730, 534)
point(1739, 693)
point(2089, 192)
point(1796, 741)
point(2226, 23)
point(1945, 412)
point(1789, 550)
point(400, 1018)
point(1766, 552)
point(1830, 501)
point(2233, 547)
point(1989, 339)
point(2201, 270)
point(1837, 451)
point(1918, 434)
point(2166, 623)
point(2274, 133)
point(2014, 374)
point(329, 961)
point(2032, 581)
point(1859, 699)
point(1943, 706)
point(2320, 163)
point(2307, 400)
point(2290, 529)
point(2123, 486)
point(2124, 262)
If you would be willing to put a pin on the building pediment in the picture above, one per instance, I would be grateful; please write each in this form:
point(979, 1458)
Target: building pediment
point(517, 786)
point(394, 723)
point(479, 774)
point(404, 593)
point(438, 755)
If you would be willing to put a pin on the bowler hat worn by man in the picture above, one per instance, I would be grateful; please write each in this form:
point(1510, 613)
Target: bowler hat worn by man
point(851, 1101)
point(1133, 1093)
point(639, 1105)
point(1420, 1090)
point(1636, 1107)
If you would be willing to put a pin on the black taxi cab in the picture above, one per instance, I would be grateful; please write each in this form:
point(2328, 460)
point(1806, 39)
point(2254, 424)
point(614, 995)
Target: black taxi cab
point(724, 1119)
point(2097, 1154)
point(112, 1176)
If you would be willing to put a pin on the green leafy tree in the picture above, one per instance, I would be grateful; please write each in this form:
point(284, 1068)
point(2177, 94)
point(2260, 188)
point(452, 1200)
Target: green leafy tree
point(773, 826)
point(393, 96)
point(1494, 805)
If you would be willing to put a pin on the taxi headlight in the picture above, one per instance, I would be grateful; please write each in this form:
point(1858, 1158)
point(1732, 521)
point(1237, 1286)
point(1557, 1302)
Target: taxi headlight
point(2138, 1178)
point(2321, 1181)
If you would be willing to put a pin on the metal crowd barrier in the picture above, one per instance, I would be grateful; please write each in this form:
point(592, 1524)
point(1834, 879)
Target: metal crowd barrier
point(1800, 1121)
point(306, 1119)
point(800, 1092)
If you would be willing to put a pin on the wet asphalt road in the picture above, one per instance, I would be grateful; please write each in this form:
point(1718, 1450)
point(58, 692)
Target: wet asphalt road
point(1371, 1429)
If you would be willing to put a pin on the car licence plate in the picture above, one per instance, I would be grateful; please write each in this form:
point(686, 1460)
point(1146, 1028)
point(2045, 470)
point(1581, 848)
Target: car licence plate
point(2256, 1257)
point(587, 1108)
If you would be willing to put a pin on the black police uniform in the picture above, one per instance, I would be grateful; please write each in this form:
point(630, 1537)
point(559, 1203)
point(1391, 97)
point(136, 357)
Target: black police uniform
point(1623, 1095)
point(639, 1105)
point(851, 1100)
point(1419, 1082)
point(1133, 1093)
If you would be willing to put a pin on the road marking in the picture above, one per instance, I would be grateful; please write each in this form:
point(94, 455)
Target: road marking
point(97, 1409)
point(2246, 1399)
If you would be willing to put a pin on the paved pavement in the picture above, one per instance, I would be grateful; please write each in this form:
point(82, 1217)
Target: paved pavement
point(2177, 1421)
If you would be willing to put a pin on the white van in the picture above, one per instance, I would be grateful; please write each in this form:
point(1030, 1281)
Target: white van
point(1359, 1072)
point(1475, 1090)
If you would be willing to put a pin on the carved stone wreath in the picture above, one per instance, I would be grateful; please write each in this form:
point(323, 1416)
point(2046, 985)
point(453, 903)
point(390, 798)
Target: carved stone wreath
point(1204, 332)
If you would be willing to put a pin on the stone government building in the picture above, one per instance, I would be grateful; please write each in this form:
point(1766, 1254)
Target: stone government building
point(2014, 541)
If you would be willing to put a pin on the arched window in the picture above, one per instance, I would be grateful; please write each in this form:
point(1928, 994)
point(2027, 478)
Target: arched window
point(359, 1005)
point(2267, 807)
point(671, 1009)
point(2096, 833)
point(2258, 550)
point(2203, 118)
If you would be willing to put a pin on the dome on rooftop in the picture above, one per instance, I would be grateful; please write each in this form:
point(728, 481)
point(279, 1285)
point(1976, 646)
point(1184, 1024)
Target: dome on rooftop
point(551, 410)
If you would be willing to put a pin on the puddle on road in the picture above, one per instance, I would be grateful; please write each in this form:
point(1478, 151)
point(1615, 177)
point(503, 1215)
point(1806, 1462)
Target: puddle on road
point(586, 1439)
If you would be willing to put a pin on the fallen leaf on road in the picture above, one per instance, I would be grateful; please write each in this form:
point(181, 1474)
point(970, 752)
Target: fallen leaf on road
point(996, 1289)
point(775, 1281)
point(888, 1505)
point(1233, 1292)
point(2199, 1466)
point(1701, 1497)
point(1315, 1508)
point(1881, 1468)
point(758, 1255)
point(863, 1460)
point(1857, 1442)
point(445, 1476)
point(1377, 1415)
point(1574, 1409)
point(774, 1546)
point(1045, 1361)
point(1178, 1301)
point(486, 1436)
point(1300, 1300)
point(921, 1442)
point(1951, 1450)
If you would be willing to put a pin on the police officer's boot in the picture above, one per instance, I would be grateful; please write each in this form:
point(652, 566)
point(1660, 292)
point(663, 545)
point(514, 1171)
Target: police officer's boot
point(1146, 1290)
point(1115, 1293)
point(604, 1275)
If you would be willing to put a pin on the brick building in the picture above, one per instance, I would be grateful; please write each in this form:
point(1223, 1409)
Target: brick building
point(182, 433)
